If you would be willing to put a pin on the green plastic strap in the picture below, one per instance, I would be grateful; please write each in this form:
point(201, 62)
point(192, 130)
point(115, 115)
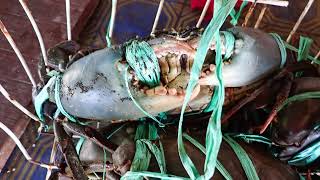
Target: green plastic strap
point(136, 103)
point(79, 144)
point(213, 137)
point(301, 177)
point(220, 167)
point(236, 15)
point(304, 47)
point(42, 97)
point(243, 157)
point(144, 147)
point(300, 97)
point(136, 175)
point(229, 43)
point(306, 156)
point(141, 132)
point(141, 158)
point(282, 48)
point(58, 101)
point(254, 138)
point(158, 154)
point(292, 48)
point(142, 59)
point(152, 132)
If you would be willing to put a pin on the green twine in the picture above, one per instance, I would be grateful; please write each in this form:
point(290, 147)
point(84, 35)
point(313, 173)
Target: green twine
point(42, 97)
point(244, 159)
point(254, 138)
point(220, 167)
point(136, 103)
point(58, 101)
point(60, 108)
point(304, 47)
point(144, 148)
point(300, 97)
point(135, 175)
point(79, 144)
point(282, 48)
point(306, 156)
point(142, 59)
point(141, 158)
point(292, 48)
point(236, 15)
point(158, 153)
point(303, 52)
point(213, 136)
point(229, 44)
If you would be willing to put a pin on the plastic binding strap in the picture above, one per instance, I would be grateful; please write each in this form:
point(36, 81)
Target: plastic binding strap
point(136, 103)
point(244, 159)
point(282, 48)
point(58, 101)
point(220, 167)
point(213, 135)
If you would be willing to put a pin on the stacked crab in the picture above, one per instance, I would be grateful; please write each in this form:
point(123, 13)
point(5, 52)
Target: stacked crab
point(105, 95)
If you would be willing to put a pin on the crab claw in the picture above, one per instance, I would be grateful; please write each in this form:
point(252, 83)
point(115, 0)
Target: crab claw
point(94, 88)
point(255, 57)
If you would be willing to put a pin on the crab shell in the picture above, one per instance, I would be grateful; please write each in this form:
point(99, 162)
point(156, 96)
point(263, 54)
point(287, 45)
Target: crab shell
point(94, 87)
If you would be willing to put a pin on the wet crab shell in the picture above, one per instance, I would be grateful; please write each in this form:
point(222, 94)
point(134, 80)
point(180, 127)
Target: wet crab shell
point(94, 88)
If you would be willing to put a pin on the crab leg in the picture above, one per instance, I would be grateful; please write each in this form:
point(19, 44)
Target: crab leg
point(281, 97)
point(252, 96)
point(91, 134)
point(67, 148)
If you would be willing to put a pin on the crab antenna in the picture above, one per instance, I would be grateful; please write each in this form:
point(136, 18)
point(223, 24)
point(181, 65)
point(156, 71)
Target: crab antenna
point(203, 13)
point(37, 31)
point(18, 53)
point(17, 104)
point(68, 19)
point(157, 17)
point(112, 18)
point(303, 14)
point(23, 149)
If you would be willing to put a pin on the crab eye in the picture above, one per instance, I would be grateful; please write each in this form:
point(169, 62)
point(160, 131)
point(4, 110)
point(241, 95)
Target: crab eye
point(183, 61)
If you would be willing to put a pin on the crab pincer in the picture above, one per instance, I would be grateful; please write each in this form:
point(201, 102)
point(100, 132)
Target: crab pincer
point(100, 86)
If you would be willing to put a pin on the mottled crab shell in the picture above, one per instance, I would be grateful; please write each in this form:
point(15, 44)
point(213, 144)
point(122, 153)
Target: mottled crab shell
point(94, 88)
